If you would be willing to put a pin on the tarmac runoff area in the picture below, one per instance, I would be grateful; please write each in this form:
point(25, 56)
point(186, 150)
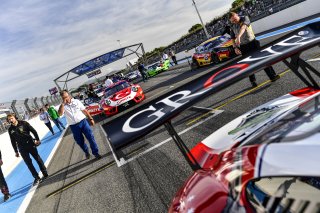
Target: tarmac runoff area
point(148, 182)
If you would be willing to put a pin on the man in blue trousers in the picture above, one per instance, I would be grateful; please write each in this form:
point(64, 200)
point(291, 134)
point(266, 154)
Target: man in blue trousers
point(76, 115)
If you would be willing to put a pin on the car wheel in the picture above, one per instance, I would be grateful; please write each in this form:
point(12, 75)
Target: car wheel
point(195, 64)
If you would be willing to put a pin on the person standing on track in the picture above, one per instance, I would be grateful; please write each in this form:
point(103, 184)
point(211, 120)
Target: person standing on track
point(108, 82)
point(244, 42)
point(21, 140)
point(173, 56)
point(76, 115)
point(55, 117)
point(141, 69)
point(3, 183)
point(45, 117)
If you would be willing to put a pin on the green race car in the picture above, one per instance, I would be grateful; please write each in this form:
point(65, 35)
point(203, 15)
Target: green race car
point(158, 67)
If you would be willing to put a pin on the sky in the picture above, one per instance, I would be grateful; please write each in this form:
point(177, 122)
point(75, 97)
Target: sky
point(41, 39)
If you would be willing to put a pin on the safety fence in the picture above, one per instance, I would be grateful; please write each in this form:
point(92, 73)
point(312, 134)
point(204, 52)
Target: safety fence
point(24, 109)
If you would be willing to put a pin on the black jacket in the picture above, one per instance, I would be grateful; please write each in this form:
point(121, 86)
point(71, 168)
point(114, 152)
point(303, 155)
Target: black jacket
point(20, 135)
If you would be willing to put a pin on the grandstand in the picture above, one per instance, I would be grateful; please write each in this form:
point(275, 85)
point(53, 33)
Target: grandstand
point(254, 9)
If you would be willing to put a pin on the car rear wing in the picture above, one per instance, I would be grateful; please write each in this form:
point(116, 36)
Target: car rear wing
point(127, 128)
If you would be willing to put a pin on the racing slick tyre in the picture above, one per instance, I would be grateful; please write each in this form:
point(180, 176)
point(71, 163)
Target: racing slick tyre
point(195, 64)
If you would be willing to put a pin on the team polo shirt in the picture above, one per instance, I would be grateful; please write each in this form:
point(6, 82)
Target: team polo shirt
point(73, 111)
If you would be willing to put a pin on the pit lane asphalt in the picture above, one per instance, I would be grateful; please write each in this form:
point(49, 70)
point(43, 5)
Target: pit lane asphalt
point(148, 183)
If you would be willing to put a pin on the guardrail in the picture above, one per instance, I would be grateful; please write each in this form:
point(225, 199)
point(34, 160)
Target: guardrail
point(25, 109)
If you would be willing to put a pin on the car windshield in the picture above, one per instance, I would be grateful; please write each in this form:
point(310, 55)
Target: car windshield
point(210, 45)
point(154, 66)
point(279, 193)
point(112, 90)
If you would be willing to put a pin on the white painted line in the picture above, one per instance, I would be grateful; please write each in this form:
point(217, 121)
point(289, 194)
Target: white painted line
point(216, 112)
point(24, 205)
point(314, 59)
point(114, 155)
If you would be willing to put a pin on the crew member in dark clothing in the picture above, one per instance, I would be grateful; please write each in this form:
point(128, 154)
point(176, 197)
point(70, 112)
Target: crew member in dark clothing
point(142, 72)
point(3, 183)
point(91, 93)
point(21, 140)
point(244, 42)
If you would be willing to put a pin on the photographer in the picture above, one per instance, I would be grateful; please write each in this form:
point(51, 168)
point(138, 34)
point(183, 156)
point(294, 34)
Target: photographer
point(23, 142)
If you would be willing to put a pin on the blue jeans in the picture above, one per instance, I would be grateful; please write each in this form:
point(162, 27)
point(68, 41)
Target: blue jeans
point(83, 128)
point(58, 123)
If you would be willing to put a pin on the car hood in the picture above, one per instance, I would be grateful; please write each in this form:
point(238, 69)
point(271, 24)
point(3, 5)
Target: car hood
point(249, 125)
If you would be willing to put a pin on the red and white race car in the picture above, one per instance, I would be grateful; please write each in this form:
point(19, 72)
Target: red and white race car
point(92, 106)
point(263, 161)
point(121, 96)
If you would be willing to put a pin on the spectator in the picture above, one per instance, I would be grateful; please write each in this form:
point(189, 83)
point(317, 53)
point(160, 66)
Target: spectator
point(23, 142)
point(76, 115)
point(54, 116)
point(45, 117)
point(3, 183)
point(244, 42)
point(108, 81)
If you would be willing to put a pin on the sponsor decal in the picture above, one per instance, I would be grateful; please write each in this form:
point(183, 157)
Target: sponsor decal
point(123, 100)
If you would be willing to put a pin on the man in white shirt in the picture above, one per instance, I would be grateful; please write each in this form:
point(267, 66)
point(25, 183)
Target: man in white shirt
point(45, 117)
point(165, 56)
point(76, 115)
point(108, 81)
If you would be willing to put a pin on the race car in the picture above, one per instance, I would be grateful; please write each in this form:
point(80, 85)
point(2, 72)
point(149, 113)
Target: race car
point(266, 160)
point(92, 106)
point(158, 67)
point(120, 96)
point(133, 75)
point(213, 50)
point(259, 161)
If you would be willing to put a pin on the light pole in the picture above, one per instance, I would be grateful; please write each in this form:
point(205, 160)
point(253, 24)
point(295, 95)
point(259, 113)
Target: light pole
point(204, 27)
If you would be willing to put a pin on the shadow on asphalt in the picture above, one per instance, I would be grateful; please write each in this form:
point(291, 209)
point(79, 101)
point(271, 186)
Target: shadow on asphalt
point(18, 193)
point(61, 174)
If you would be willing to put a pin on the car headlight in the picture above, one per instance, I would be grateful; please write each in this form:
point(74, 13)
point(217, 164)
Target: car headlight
point(134, 89)
point(107, 101)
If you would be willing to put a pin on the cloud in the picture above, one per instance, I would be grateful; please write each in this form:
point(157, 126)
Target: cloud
point(41, 40)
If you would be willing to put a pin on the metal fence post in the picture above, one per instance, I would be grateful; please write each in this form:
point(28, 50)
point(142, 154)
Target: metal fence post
point(13, 107)
point(35, 102)
point(26, 105)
